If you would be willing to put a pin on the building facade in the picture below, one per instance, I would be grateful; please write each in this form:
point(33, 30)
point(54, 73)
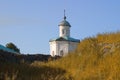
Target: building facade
point(64, 44)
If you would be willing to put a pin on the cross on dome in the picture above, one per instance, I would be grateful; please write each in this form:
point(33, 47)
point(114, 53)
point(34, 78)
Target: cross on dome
point(64, 15)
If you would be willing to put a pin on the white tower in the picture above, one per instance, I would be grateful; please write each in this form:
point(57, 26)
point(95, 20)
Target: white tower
point(64, 44)
point(64, 28)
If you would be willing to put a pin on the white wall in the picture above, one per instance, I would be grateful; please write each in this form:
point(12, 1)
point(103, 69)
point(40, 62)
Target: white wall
point(62, 46)
point(73, 46)
point(66, 31)
point(52, 48)
point(65, 46)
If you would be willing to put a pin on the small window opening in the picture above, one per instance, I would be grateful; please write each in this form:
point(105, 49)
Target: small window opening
point(61, 52)
point(63, 31)
point(53, 53)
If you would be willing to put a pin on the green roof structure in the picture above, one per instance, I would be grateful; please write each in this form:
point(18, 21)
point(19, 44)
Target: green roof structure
point(65, 39)
point(7, 49)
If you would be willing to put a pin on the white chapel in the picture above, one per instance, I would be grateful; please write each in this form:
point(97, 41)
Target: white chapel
point(64, 44)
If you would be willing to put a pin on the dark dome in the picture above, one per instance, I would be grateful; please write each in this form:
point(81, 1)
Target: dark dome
point(64, 23)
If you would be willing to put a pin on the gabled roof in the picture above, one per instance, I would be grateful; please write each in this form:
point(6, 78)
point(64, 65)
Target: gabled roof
point(65, 39)
point(6, 49)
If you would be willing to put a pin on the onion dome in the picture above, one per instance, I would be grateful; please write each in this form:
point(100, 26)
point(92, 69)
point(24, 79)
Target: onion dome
point(64, 23)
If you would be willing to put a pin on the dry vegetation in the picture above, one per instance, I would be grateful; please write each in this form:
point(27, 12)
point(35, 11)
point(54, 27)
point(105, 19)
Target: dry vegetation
point(96, 58)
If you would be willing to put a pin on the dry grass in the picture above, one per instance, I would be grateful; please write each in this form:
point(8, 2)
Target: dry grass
point(92, 60)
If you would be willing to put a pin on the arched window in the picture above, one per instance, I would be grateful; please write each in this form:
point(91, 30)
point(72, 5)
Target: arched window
point(53, 53)
point(61, 53)
point(63, 32)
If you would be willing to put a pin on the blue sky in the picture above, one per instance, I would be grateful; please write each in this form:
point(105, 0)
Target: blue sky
point(31, 23)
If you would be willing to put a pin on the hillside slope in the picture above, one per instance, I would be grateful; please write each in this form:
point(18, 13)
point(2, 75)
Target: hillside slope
point(96, 58)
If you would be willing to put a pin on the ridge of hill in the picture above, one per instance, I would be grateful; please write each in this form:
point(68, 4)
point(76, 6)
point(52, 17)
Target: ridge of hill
point(21, 58)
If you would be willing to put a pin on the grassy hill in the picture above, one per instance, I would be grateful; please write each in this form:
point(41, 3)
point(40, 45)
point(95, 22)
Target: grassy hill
point(96, 58)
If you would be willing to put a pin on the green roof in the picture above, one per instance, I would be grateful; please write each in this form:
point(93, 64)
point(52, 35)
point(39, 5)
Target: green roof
point(6, 49)
point(65, 39)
